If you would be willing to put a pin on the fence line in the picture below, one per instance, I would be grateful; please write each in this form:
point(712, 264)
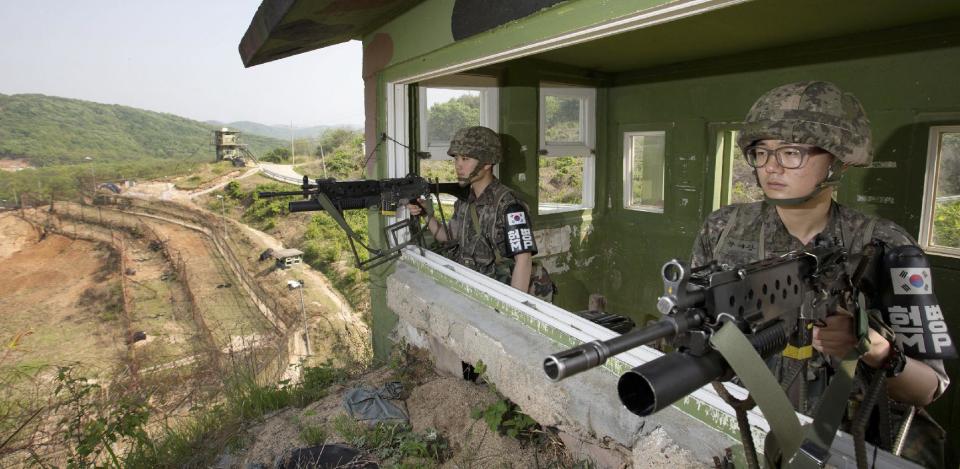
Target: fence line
point(285, 323)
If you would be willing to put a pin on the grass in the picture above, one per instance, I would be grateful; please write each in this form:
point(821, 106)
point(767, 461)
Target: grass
point(313, 435)
point(198, 441)
point(205, 173)
point(396, 444)
point(170, 333)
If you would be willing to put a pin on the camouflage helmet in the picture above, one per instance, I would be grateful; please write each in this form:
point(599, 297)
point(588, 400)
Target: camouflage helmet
point(815, 113)
point(477, 142)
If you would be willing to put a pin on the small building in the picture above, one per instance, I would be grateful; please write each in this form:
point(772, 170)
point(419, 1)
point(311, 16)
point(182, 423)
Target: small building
point(618, 121)
point(287, 258)
point(228, 144)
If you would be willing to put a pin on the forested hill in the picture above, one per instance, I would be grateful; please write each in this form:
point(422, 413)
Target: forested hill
point(281, 132)
point(48, 130)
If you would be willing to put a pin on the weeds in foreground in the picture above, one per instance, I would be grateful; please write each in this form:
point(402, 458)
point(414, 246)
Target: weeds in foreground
point(115, 427)
point(94, 425)
point(200, 441)
point(313, 435)
point(396, 444)
point(503, 416)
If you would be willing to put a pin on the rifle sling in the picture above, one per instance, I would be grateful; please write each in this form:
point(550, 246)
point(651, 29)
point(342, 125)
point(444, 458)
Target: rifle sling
point(832, 406)
point(753, 372)
point(784, 425)
point(338, 217)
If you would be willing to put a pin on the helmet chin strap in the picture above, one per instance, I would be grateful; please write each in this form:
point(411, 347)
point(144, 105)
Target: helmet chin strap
point(464, 182)
point(834, 174)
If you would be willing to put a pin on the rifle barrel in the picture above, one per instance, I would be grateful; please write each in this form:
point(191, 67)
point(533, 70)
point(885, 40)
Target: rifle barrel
point(279, 194)
point(591, 354)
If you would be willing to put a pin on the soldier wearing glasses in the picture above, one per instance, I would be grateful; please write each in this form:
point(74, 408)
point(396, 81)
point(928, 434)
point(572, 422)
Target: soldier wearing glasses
point(799, 138)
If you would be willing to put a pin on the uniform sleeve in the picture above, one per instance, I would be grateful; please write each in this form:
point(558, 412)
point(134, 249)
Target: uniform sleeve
point(702, 252)
point(517, 230)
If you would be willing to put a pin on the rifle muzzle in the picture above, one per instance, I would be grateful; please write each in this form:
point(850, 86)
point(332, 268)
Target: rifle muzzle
point(573, 361)
point(656, 384)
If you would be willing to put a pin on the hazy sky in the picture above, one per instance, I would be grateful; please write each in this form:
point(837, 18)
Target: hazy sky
point(175, 56)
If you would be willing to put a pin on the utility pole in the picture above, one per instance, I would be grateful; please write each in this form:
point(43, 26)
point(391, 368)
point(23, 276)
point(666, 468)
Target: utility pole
point(93, 175)
point(323, 163)
point(303, 312)
point(298, 284)
point(293, 150)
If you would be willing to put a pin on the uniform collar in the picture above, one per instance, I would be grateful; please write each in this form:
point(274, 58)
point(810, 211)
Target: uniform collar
point(486, 197)
point(777, 234)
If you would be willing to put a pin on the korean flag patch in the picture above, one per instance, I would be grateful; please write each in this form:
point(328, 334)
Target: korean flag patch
point(516, 218)
point(910, 281)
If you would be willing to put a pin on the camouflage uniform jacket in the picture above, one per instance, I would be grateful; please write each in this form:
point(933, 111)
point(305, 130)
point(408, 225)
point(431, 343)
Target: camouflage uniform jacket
point(476, 251)
point(743, 244)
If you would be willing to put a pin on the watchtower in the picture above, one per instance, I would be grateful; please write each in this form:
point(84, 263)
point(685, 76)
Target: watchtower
point(228, 144)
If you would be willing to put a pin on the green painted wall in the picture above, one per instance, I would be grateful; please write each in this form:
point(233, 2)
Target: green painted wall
point(423, 40)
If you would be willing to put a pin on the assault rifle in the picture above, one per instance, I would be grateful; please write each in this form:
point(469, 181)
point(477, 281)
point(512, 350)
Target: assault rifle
point(385, 195)
point(709, 311)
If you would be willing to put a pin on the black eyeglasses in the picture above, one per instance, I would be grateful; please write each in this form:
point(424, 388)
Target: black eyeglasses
point(788, 157)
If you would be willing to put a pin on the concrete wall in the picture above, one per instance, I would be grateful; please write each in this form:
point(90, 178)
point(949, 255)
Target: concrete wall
point(455, 328)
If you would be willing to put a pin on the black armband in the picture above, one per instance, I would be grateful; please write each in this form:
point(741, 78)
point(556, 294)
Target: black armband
point(518, 233)
point(909, 305)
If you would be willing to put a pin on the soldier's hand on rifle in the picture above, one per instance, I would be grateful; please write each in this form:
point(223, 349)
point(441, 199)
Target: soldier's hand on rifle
point(420, 207)
point(837, 338)
point(425, 208)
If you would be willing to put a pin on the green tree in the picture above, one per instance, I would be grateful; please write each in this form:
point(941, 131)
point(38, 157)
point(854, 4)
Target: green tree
point(563, 119)
point(948, 183)
point(445, 119)
point(277, 155)
point(337, 138)
point(342, 153)
point(946, 225)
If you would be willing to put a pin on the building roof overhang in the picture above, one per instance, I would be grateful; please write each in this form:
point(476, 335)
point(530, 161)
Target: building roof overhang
point(282, 28)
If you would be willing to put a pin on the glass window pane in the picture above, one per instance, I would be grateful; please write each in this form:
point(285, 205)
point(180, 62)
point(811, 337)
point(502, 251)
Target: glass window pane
point(946, 214)
point(561, 183)
point(438, 169)
point(562, 116)
point(449, 110)
point(743, 184)
point(646, 170)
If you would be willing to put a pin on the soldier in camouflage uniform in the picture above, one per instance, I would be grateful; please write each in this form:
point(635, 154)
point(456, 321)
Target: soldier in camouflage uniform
point(490, 232)
point(799, 138)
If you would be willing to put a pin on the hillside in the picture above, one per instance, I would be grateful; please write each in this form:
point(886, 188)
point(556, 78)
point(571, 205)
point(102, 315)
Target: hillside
point(281, 132)
point(49, 130)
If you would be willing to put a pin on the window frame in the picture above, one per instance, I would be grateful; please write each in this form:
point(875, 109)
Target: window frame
point(586, 149)
point(628, 171)
point(930, 182)
point(489, 115)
